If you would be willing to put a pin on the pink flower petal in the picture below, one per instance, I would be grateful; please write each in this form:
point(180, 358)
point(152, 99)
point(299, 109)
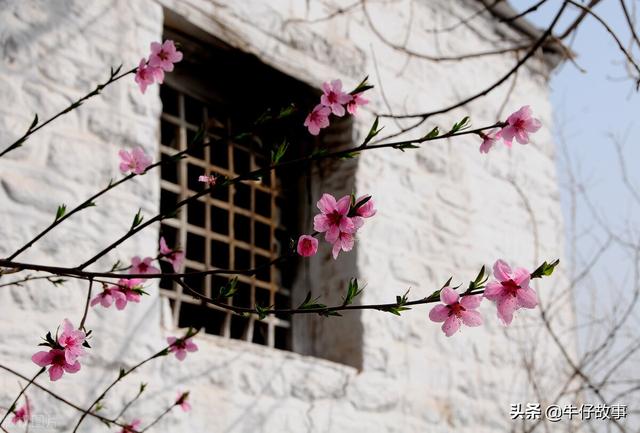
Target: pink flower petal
point(471, 302)
point(501, 270)
point(471, 318)
point(451, 325)
point(449, 296)
point(439, 313)
point(527, 298)
point(507, 305)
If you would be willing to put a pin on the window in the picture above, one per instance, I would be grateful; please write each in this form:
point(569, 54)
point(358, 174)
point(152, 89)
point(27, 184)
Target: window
point(236, 227)
point(233, 228)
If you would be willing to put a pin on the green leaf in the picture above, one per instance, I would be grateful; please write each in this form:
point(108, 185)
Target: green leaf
point(57, 281)
point(432, 134)
point(264, 117)
point(372, 132)
point(362, 87)
point(229, 289)
point(122, 373)
point(34, 122)
point(447, 283)
point(137, 219)
point(143, 386)
point(463, 124)
point(396, 310)
point(401, 300)
point(350, 155)
point(262, 311)
point(62, 209)
point(279, 153)
point(545, 269)
point(319, 152)
point(404, 146)
point(287, 111)
point(311, 304)
point(352, 291)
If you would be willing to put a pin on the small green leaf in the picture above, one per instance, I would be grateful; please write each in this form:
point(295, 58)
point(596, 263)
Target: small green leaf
point(362, 87)
point(62, 209)
point(229, 289)
point(352, 291)
point(464, 123)
point(396, 310)
point(34, 122)
point(122, 373)
point(280, 151)
point(545, 269)
point(319, 152)
point(404, 146)
point(372, 132)
point(57, 281)
point(137, 219)
point(432, 134)
point(447, 283)
point(262, 311)
point(311, 304)
point(287, 111)
point(350, 155)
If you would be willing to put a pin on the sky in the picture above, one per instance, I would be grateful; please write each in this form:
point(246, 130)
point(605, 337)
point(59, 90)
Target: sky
point(589, 107)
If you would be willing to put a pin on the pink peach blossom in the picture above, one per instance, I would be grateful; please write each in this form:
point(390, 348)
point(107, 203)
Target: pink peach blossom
point(135, 161)
point(344, 242)
point(146, 75)
point(182, 401)
point(334, 98)
point(511, 292)
point(455, 310)
point(175, 257)
point(367, 210)
point(519, 125)
point(488, 140)
point(57, 359)
point(317, 119)
point(210, 180)
point(164, 55)
point(130, 288)
point(132, 427)
point(71, 341)
point(180, 346)
point(143, 266)
point(108, 296)
point(307, 246)
point(23, 414)
point(333, 218)
point(356, 101)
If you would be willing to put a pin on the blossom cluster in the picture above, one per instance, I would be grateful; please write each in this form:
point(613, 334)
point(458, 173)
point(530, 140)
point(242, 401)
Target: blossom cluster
point(510, 292)
point(161, 60)
point(131, 289)
point(519, 125)
point(333, 101)
point(339, 220)
point(65, 349)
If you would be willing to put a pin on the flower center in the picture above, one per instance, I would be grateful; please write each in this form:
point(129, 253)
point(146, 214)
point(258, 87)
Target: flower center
point(332, 97)
point(511, 287)
point(456, 309)
point(334, 218)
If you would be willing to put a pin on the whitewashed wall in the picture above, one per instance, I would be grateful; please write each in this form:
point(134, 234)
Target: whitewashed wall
point(444, 210)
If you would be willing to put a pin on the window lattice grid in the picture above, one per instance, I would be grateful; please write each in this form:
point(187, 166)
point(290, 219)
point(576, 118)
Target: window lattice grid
point(235, 227)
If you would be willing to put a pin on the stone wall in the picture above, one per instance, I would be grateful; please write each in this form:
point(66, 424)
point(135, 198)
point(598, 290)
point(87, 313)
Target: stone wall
point(444, 210)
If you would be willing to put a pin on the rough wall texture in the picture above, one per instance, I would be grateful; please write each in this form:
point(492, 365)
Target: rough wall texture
point(443, 210)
